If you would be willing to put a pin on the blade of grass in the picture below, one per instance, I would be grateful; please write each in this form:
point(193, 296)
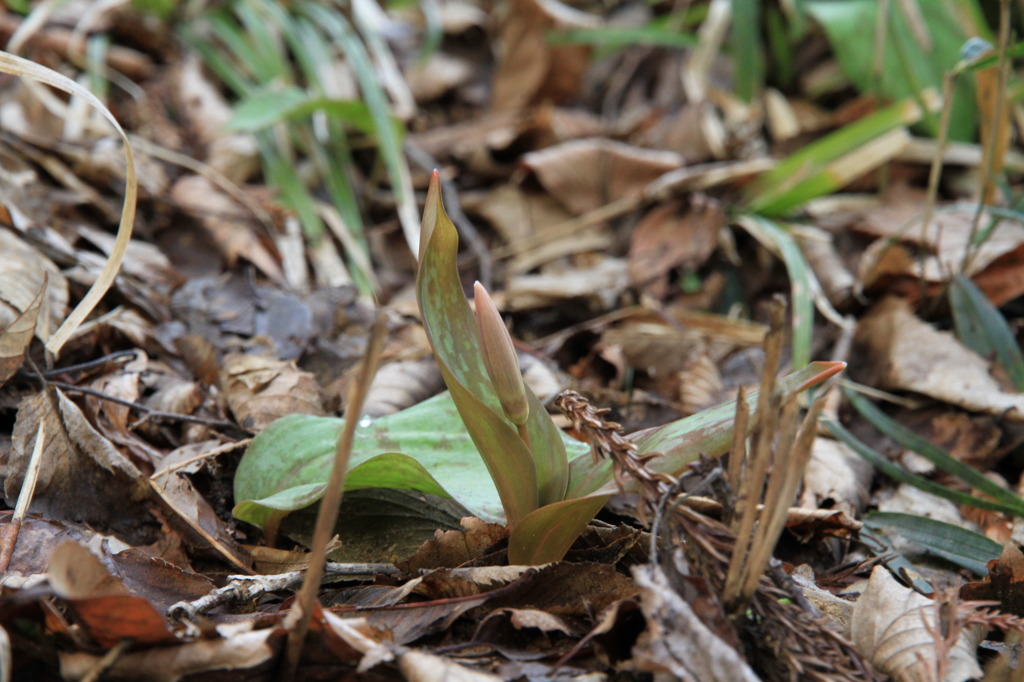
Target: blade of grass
point(389, 141)
point(897, 473)
point(747, 51)
point(912, 441)
point(982, 328)
point(960, 546)
point(806, 173)
point(803, 284)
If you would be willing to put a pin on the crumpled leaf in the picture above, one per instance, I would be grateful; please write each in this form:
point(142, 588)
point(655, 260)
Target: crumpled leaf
point(912, 355)
point(891, 624)
point(83, 477)
point(260, 389)
point(16, 337)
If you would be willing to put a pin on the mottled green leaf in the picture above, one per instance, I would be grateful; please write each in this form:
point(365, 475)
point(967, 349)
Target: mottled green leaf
point(525, 478)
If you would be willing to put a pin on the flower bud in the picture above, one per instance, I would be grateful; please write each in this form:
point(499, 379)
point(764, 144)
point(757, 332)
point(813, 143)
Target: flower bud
point(500, 358)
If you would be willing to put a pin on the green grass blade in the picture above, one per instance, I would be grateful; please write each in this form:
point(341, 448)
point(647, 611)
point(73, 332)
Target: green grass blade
point(957, 545)
point(912, 441)
point(388, 138)
point(897, 473)
point(982, 328)
point(818, 168)
point(747, 51)
point(802, 281)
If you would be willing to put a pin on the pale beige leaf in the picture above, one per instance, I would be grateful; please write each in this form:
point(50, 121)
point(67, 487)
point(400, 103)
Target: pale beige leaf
point(602, 283)
point(398, 385)
point(909, 354)
point(417, 666)
point(15, 338)
point(18, 66)
point(837, 475)
point(896, 628)
point(23, 269)
point(77, 573)
point(260, 389)
point(170, 664)
point(677, 642)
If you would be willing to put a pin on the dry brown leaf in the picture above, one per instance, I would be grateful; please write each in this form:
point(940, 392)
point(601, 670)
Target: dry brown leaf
point(530, 69)
point(671, 235)
point(452, 548)
point(16, 337)
point(587, 174)
point(911, 355)
point(946, 241)
point(234, 155)
point(677, 641)
point(83, 477)
point(202, 526)
point(440, 73)
point(259, 389)
point(102, 605)
point(228, 224)
point(897, 628)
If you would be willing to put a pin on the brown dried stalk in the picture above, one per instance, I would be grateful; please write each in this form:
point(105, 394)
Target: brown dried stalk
point(607, 441)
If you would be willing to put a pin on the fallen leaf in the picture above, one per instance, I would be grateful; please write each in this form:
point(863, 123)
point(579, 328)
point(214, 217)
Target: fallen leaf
point(530, 69)
point(670, 235)
point(228, 225)
point(896, 628)
point(17, 335)
point(259, 390)
point(83, 477)
point(587, 174)
point(909, 354)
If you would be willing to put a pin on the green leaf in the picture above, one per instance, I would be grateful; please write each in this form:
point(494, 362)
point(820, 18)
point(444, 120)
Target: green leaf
point(426, 448)
point(802, 281)
point(524, 479)
point(273, 105)
point(982, 328)
point(900, 474)
point(958, 545)
point(710, 432)
point(908, 67)
point(912, 441)
point(822, 167)
point(546, 534)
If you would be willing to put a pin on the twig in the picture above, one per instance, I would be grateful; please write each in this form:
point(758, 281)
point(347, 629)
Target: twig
point(327, 517)
point(244, 589)
point(148, 411)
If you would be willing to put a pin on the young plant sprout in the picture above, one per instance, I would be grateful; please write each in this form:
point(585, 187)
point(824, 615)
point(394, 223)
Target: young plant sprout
point(501, 362)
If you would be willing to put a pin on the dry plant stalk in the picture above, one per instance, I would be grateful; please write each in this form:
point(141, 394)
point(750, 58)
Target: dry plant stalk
point(298, 618)
point(783, 633)
point(607, 441)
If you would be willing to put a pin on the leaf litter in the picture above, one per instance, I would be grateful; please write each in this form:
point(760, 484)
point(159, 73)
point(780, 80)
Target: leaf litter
point(604, 183)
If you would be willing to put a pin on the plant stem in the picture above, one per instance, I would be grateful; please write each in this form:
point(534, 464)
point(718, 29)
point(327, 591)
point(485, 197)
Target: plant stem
point(327, 518)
